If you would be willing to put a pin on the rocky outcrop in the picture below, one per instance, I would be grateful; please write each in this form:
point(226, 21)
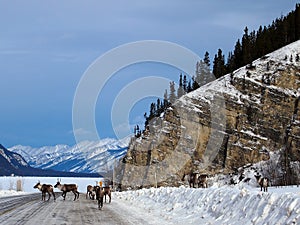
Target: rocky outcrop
point(238, 119)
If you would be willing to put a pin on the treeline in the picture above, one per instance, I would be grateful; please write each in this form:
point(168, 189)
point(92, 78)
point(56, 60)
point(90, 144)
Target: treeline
point(255, 44)
point(202, 76)
point(252, 45)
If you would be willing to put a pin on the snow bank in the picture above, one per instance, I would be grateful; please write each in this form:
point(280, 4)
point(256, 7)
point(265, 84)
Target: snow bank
point(4, 193)
point(218, 204)
point(226, 205)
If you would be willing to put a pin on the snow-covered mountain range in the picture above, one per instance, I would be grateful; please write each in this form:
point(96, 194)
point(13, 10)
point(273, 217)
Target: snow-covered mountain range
point(84, 157)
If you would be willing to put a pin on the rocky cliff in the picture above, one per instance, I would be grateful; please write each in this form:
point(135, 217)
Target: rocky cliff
point(241, 118)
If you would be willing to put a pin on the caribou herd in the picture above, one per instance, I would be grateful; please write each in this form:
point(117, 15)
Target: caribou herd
point(99, 193)
point(195, 179)
point(93, 192)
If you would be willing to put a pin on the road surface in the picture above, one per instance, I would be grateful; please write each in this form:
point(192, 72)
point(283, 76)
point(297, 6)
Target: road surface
point(29, 209)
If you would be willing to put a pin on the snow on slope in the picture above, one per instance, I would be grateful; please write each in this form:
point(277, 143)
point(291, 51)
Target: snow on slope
point(225, 205)
point(208, 91)
point(85, 157)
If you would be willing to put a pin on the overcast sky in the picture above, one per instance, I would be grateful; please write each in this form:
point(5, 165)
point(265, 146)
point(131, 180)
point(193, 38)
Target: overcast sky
point(46, 46)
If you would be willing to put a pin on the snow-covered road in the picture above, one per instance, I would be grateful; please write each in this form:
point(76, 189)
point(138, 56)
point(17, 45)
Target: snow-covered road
point(29, 209)
point(11, 202)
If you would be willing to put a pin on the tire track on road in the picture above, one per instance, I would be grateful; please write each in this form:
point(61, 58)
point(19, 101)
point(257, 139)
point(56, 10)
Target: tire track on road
point(67, 212)
point(9, 203)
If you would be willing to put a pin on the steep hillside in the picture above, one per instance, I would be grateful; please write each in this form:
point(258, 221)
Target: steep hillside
point(84, 157)
point(10, 162)
point(241, 118)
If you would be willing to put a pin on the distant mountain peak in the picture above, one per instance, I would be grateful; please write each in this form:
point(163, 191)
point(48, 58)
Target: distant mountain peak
point(83, 157)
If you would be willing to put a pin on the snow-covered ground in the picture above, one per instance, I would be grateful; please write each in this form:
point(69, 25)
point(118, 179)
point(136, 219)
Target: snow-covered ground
point(4, 193)
point(225, 205)
point(239, 204)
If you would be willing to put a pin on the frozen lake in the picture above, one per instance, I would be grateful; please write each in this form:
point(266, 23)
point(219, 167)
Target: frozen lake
point(10, 182)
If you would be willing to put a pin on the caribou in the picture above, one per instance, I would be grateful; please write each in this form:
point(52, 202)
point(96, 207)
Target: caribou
point(45, 188)
point(192, 178)
point(99, 196)
point(90, 191)
point(202, 180)
point(67, 188)
point(107, 191)
point(263, 182)
point(101, 193)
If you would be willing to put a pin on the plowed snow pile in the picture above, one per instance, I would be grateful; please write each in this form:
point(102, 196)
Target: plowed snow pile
point(225, 205)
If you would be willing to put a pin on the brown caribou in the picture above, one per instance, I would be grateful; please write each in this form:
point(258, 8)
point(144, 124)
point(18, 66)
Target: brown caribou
point(192, 178)
point(67, 188)
point(263, 182)
point(107, 191)
point(99, 196)
point(90, 191)
point(202, 180)
point(45, 188)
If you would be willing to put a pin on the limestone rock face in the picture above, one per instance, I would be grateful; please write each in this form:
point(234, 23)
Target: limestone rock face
point(238, 119)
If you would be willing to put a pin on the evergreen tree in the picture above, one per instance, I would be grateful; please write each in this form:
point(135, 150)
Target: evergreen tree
point(184, 84)
point(297, 22)
point(158, 107)
point(152, 110)
point(146, 120)
point(203, 74)
point(189, 87)
point(206, 59)
point(172, 96)
point(166, 103)
point(180, 90)
point(237, 57)
point(230, 66)
point(259, 44)
point(219, 68)
point(195, 84)
point(246, 47)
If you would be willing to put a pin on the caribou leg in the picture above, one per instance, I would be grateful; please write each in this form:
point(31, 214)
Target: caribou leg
point(49, 195)
point(100, 202)
point(76, 193)
point(53, 195)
